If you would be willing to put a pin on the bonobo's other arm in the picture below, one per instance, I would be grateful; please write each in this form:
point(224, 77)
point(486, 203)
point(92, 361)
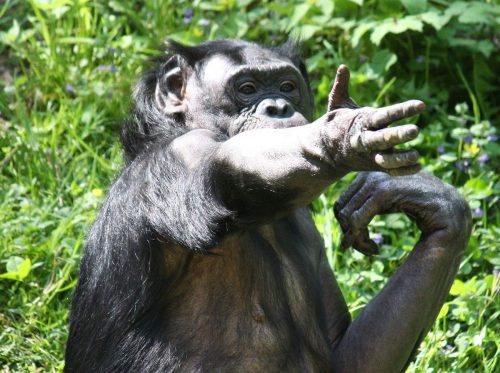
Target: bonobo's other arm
point(385, 335)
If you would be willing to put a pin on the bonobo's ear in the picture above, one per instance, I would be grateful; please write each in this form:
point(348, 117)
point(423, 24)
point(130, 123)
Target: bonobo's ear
point(339, 95)
point(171, 85)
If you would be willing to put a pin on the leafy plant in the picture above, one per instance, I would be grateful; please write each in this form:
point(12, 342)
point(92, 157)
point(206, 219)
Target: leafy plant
point(66, 67)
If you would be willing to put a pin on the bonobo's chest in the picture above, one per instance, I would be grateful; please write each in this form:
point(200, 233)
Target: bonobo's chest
point(255, 303)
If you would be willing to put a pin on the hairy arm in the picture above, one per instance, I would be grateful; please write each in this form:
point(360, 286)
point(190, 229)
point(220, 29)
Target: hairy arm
point(263, 174)
point(385, 336)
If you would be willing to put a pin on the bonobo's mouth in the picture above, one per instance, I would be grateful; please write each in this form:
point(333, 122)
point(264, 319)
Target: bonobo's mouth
point(253, 123)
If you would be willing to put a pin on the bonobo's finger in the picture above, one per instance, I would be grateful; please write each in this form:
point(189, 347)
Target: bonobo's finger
point(343, 212)
point(385, 138)
point(360, 216)
point(339, 95)
point(403, 171)
point(388, 114)
point(363, 215)
point(397, 159)
point(355, 218)
point(357, 235)
point(347, 240)
point(360, 242)
point(364, 244)
point(349, 192)
point(354, 203)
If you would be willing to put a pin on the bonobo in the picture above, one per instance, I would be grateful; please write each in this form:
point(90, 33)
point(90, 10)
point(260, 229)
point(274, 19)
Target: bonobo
point(204, 257)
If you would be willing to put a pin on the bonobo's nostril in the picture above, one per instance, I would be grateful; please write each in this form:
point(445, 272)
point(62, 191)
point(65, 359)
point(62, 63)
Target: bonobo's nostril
point(274, 108)
point(283, 106)
point(271, 110)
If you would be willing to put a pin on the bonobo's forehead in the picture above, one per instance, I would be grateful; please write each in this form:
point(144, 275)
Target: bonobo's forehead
point(253, 54)
point(220, 67)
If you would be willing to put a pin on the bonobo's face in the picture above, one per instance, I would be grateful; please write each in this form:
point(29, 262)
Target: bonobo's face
point(255, 89)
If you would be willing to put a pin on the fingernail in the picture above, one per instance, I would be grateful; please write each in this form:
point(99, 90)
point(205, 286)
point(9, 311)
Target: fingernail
point(419, 105)
point(347, 240)
point(413, 131)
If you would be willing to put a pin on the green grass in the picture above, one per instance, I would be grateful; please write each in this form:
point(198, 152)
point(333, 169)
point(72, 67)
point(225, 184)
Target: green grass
point(66, 71)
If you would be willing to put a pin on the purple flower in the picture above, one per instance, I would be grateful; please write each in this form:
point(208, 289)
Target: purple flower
point(483, 158)
point(377, 238)
point(112, 50)
point(492, 137)
point(110, 68)
point(478, 212)
point(204, 22)
point(463, 165)
point(69, 88)
point(420, 59)
point(496, 272)
point(188, 16)
point(441, 149)
point(468, 139)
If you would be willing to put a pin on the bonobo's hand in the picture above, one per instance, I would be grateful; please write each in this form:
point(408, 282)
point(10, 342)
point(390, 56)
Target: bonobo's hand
point(359, 138)
point(436, 207)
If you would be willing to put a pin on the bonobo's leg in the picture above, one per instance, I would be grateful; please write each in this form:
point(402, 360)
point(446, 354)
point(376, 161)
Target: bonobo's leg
point(385, 335)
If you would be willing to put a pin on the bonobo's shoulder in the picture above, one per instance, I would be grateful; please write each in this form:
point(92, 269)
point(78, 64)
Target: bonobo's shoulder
point(193, 146)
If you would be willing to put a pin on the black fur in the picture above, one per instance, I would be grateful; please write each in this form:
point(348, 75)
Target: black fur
point(116, 322)
point(203, 256)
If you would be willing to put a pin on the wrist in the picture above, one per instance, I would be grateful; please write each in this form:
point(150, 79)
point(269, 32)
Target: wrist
point(331, 149)
point(455, 225)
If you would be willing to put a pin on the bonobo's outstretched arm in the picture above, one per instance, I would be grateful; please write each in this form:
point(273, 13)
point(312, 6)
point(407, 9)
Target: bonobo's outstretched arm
point(385, 335)
point(266, 173)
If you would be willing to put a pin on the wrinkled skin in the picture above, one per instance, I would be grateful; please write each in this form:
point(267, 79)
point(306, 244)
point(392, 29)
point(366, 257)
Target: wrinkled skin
point(204, 257)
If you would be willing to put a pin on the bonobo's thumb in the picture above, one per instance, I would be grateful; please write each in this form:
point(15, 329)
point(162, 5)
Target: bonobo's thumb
point(339, 95)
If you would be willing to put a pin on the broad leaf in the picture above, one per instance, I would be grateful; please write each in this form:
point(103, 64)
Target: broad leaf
point(477, 188)
point(299, 12)
point(306, 32)
point(435, 19)
point(415, 6)
point(474, 12)
point(17, 268)
point(395, 26)
point(381, 63)
point(326, 6)
point(359, 31)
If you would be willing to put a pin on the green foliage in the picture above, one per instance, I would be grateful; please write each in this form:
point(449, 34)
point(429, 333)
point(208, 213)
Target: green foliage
point(66, 67)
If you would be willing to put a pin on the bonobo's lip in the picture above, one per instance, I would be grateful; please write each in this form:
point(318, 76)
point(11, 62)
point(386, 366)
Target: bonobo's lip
point(254, 123)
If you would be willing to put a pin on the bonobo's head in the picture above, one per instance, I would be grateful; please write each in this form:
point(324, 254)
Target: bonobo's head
point(228, 86)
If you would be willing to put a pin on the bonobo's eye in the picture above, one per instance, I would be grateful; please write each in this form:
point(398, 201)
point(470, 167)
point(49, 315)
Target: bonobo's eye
point(287, 86)
point(247, 88)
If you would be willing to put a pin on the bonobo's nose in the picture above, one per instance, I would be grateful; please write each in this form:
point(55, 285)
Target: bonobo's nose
point(275, 108)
